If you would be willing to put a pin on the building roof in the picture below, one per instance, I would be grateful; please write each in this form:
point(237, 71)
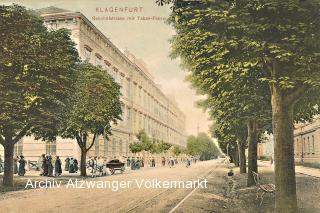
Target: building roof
point(51, 10)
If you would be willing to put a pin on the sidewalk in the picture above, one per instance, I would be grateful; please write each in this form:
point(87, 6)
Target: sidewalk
point(308, 171)
point(299, 169)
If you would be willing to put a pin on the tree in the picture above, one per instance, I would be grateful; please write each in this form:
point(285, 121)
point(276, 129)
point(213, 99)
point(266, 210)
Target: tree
point(285, 46)
point(234, 135)
point(201, 146)
point(93, 106)
point(177, 150)
point(34, 75)
point(233, 97)
point(135, 147)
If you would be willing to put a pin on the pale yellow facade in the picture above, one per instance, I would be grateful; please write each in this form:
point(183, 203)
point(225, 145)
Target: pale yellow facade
point(307, 142)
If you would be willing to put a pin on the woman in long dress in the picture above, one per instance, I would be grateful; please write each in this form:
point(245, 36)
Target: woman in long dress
point(50, 166)
point(71, 166)
point(66, 167)
point(57, 167)
point(22, 164)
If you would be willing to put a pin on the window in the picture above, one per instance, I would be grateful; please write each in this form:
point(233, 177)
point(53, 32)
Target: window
point(98, 61)
point(51, 147)
point(87, 53)
point(96, 146)
point(120, 147)
point(127, 88)
point(313, 152)
point(121, 84)
point(107, 65)
point(309, 147)
point(18, 148)
point(113, 147)
point(116, 75)
point(128, 116)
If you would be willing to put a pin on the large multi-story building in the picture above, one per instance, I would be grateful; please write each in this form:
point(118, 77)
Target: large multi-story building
point(307, 142)
point(145, 107)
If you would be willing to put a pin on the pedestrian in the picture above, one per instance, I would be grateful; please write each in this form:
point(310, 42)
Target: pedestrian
point(92, 164)
point(15, 165)
point(50, 166)
point(128, 161)
point(142, 162)
point(22, 165)
point(104, 167)
point(71, 166)
point(171, 162)
point(133, 163)
point(57, 167)
point(188, 163)
point(100, 165)
point(1, 165)
point(76, 165)
point(44, 166)
point(163, 161)
point(138, 163)
point(66, 166)
point(153, 162)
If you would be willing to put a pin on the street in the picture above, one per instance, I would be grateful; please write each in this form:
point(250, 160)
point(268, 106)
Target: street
point(212, 198)
point(131, 199)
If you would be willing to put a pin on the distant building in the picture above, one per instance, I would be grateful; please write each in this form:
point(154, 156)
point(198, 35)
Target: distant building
point(144, 105)
point(307, 142)
point(267, 147)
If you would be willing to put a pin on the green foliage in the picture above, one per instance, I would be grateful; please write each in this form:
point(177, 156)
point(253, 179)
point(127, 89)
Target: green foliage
point(177, 150)
point(34, 75)
point(202, 146)
point(145, 143)
point(135, 147)
point(94, 104)
point(264, 158)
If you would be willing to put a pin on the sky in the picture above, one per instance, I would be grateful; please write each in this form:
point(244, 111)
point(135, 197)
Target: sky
point(146, 39)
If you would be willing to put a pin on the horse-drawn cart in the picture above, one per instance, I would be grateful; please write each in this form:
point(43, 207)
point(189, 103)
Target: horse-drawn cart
point(114, 165)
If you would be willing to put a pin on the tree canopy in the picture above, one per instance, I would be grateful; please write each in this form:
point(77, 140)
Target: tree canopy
point(201, 146)
point(94, 104)
point(34, 78)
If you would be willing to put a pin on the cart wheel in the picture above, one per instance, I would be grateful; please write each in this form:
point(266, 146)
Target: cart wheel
point(112, 171)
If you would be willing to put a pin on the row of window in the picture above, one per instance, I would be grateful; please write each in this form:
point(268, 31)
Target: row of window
point(305, 145)
point(139, 95)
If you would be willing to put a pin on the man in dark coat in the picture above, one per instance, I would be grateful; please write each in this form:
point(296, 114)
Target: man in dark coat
point(50, 166)
point(22, 164)
point(57, 167)
point(76, 167)
point(66, 167)
point(44, 166)
point(133, 163)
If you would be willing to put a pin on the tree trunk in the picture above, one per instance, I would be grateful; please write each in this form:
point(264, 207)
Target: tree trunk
point(83, 169)
point(252, 151)
point(8, 163)
point(235, 155)
point(243, 160)
point(282, 117)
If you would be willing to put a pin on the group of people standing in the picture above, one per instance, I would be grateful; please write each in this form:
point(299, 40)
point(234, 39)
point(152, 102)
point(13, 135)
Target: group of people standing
point(97, 165)
point(71, 165)
point(46, 165)
point(19, 164)
point(134, 163)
